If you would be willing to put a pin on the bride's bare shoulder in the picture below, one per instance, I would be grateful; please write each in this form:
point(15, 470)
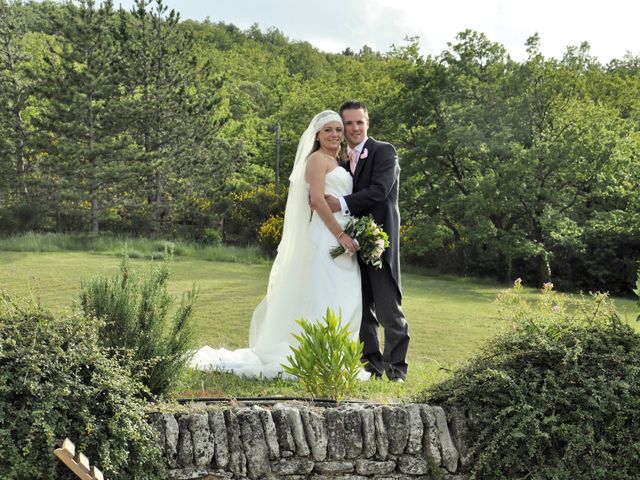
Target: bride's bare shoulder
point(316, 167)
point(317, 161)
point(316, 156)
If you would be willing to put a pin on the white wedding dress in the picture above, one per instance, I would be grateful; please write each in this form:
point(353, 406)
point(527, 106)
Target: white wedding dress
point(299, 287)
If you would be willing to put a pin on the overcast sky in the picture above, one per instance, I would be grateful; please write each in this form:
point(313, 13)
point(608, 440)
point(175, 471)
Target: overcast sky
point(611, 27)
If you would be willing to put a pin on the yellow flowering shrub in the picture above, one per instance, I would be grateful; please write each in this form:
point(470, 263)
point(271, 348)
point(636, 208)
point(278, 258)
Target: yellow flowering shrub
point(249, 211)
point(270, 233)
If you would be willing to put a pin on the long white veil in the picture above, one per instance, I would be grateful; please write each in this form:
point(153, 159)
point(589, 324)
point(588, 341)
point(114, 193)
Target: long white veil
point(289, 274)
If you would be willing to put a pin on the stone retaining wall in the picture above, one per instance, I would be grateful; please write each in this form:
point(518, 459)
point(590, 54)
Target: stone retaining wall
point(297, 441)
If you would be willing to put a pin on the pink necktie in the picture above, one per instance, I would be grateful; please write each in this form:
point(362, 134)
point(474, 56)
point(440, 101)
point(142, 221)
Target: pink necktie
point(352, 160)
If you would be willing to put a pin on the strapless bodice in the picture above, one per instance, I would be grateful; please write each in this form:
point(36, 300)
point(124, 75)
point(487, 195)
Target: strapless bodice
point(338, 182)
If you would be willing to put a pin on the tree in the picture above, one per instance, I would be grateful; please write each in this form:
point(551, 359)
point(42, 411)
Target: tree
point(80, 120)
point(505, 158)
point(14, 94)
point(157, 68)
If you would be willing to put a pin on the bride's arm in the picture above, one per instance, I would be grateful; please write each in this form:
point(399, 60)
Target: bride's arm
point(316, 173)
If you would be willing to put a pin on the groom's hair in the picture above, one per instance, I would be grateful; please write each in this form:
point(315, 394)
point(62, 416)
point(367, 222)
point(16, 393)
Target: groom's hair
point(354, 105)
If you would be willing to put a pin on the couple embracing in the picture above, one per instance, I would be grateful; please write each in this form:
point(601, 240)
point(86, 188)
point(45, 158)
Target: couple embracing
point(324, 192)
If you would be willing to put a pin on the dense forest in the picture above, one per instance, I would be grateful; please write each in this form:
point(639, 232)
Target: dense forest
point(142, 123)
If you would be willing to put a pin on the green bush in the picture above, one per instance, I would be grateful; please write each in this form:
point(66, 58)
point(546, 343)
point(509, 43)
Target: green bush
point(249, 210)
point(270, 234)
point(56, 381)
point(557, 396)
point(19, 217)
point(136, 314)
point(211, 236)
point(326, 360)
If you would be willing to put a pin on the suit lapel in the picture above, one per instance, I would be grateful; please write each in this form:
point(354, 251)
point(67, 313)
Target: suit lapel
point(368, 145)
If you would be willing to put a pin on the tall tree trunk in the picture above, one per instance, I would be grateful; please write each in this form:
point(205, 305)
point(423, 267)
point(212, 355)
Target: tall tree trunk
point(509, 272)
point(158, 200)
point(544, 268)
point(20, 171)
point(95, 225)
point(151, 178)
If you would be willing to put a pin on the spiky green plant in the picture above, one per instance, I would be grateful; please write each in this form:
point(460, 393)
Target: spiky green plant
point(326, 360)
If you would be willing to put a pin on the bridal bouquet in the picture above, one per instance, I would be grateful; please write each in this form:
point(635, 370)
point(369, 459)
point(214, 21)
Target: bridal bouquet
point(372, 240)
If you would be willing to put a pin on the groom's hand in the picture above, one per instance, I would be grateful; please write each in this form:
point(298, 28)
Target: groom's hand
point(333, 202)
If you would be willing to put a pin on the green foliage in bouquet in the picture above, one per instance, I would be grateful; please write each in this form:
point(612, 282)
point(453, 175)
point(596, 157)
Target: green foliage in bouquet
point(555, 395)
point(137, 316)
point(326, 360)
point(57, 381)
point(372, 240)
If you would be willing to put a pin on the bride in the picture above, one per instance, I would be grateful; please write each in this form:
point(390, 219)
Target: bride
point(304, 279)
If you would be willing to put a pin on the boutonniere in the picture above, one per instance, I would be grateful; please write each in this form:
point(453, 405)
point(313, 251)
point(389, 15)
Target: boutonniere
point(364, 153)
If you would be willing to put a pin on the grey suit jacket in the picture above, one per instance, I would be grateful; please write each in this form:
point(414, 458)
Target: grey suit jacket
point(375, 191)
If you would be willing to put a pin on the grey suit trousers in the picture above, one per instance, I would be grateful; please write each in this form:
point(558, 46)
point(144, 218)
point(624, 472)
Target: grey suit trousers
point(381, 306)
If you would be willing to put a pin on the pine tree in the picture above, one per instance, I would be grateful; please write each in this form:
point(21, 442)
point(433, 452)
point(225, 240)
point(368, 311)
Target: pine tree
point(15, 88)
point(81, 121)
point(159, 70)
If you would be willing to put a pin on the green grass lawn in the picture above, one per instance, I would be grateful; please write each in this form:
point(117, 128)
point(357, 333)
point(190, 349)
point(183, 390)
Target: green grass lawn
point(449, 317)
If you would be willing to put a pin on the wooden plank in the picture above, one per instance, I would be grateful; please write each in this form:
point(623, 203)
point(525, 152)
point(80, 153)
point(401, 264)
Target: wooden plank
point(82, 460)
point(69, 447)
point(70, 462)
point(97, 474)
point(77, 462)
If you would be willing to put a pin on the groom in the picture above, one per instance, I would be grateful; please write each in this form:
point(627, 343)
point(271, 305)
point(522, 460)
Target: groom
point(375, 170)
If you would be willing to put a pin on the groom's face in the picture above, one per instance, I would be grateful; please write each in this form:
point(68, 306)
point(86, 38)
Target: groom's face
point(356, 124)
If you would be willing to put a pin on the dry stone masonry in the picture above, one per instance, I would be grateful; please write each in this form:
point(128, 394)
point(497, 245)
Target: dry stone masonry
point(297, 441)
